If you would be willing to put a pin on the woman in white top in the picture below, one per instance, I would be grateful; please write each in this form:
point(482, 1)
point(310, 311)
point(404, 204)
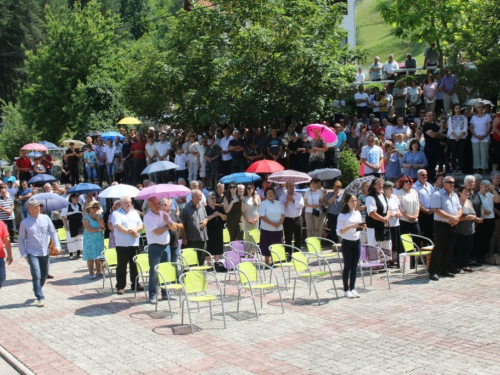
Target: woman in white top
point(393, 206)
point(408, 206)
point(349, 227)
point(430, 91)
point(272, 217)
point(150, 151)
point(480, 128)
point(201, 150)
point(378, 215)
point(313, 203)
point(413, 94)
point(360, 77)
point(457, 134)
point(191, 149)
point(250, 209)
point(488, 196)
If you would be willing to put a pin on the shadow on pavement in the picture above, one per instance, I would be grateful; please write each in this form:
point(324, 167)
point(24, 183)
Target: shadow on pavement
point(28, 302)
point(103, 309)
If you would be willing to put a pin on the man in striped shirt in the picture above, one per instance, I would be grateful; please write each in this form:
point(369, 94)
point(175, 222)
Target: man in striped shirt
point(7, 212)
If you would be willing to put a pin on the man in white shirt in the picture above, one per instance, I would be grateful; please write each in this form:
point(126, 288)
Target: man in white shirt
point(293, 204)
point(126, 227)
point(162, 152)
point(157, 224)
point(226, 154)
point(390, 67)
point(362, 99)
point(193, 185)
point(372, 157)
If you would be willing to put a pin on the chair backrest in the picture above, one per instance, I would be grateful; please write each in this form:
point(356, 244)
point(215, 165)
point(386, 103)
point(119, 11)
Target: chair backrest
point(313, 245)
point(106, 243)
point(142, 262)
point(278, 250)
point(247, 272)
point(255, 236)
point(234, 258)
point(61, 233)
point(189, 257)
point(111, 257)
point(239, 247)
point(363, 255)
point(407, 241)
point(225, 236)
point(168, 272)
point(299, 262)
point(194, 282)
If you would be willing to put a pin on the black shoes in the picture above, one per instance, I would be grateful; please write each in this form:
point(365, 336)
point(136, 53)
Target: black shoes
point(447, 274)
point(50, 277)
point(434, 277)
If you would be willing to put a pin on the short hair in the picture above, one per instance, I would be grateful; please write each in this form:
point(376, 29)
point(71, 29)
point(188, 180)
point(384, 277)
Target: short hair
point(122, 199)
point(388, 185)
point(402, 180)
point(448, 179)
point(220, 184)
point(269, 188)
point(485, 182)
point(412, 142)
point(164, 200)
point(469, 178)
point(337, 183)
point(478, 176)
point(193, 182)
point(420, 171)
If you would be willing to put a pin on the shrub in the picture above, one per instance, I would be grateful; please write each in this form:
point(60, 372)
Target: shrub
point(349, 166)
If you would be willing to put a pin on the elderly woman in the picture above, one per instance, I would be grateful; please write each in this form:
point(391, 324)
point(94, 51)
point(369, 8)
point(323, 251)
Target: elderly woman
point(93, 239)
point(414, 93)
point(72, 217)
point(38, 168)
point(464, 232)
point(413, 160)
point(457, 135)
point(317, 152)
point(394, 227)
point(471, 182)
point(191, 149)
point(215, 226)
point(391, 161)
point(408, 206)
point(272, 217)
point(495, 239)
point(480, 128)
point(250, 209)
point(212, 159)
point(232, 207)
point(378, 216)
point(488, 196)
point(313, 202)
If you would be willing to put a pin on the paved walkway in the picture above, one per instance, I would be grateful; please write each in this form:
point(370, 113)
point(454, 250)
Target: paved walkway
point(417, 327)
point(6, 369)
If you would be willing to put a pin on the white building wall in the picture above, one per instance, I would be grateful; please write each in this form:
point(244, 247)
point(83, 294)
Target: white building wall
point(349, 23)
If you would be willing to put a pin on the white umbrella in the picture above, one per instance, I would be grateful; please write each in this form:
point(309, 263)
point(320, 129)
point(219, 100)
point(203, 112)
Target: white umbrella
point(118, 191)
point(478, 100)
point(325, 173)
point(159, 166)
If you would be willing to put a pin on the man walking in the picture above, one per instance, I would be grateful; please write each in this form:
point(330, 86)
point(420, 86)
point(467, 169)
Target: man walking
point(293, 204)
point(157, 224)
point(194, 217)
point(126, 226)
point(34, 233)
point(447, 213)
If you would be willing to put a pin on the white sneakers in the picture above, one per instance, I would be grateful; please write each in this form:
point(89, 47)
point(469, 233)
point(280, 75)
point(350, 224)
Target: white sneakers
point(351, 294)
point(40, 303)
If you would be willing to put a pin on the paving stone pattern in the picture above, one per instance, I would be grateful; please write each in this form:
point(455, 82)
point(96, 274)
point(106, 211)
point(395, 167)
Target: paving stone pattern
point(418, 327)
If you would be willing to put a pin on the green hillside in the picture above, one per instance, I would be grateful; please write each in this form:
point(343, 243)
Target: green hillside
point(375, 37)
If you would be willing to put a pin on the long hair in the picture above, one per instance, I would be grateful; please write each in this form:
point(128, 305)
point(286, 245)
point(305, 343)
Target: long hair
point(345, 204)
point(253, 192)
point(227, 194)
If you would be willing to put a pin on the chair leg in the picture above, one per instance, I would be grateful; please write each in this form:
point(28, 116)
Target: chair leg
point(169, 305)
point(261, 292)
point(238, 303)
point(362, 276)
point(225, 276)
point(135, 286)
point(281, 299)
point(371, 276)
point(340, 260)
point(424, 263)
point(110, 280)
point(315, 291)
point(210, 306)
point(294, 284)
point(223, 312)
point(334, 286)
point(284, 278)
point(254, 304)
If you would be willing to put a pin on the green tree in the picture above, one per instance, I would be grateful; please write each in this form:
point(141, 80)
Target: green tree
point(248, 60)
point(79, 46)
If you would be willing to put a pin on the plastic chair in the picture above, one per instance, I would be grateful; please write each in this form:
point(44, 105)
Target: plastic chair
point(254, 235)
point(278, 255)
point(194, 282)
point(106, 243)
point(63, 241)
point(249, 279)
point(189, 258)
point(314, 246)
point(301, 264)
point(225, 236)
point(413, 250)
point(110, 262)
point(142, 263)
point(167, 280)
point(364, 262)
point(232, 259)
point(252, 255)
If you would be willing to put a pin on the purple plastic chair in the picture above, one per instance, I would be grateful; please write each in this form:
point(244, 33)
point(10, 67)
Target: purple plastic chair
point(231, 259)
point(364, 262)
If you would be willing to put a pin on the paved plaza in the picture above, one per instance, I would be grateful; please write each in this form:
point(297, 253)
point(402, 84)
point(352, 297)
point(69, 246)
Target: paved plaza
point(418, 327)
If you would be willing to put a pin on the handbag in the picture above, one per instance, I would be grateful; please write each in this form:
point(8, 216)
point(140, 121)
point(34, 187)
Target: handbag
point(315, 212)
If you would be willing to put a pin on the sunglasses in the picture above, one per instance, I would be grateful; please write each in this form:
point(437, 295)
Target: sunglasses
point(424, 175)
point(406, 182)
point(232, 187)
point(450, 182)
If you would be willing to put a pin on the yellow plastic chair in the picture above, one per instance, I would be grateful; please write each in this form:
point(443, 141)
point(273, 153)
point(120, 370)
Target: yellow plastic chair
point(413, 250)
point(304, 273)
point(249, 279)
point(255, 236)
point(142, 263)
point(110, 261)
point(314, 246)
point(167, 280)
point(195, 290)
point(63, 241)
point(189, 257)
point(278, 255)
point(225, 237)
point(106, 243)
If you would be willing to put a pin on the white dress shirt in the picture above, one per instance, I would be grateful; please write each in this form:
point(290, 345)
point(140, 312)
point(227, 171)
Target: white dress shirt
point(224, 144)
point(128, 220)
point(344, 220)
point(152, 222)
point(272, 211)
point(294, 209)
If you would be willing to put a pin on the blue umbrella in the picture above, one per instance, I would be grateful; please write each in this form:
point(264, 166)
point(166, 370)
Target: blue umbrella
point(49, 145)
point(84, 188)
point(240, 178)
point(159, 166)
point(111, 135)
point(41, 179)
point(51, 201)
point(34, 154)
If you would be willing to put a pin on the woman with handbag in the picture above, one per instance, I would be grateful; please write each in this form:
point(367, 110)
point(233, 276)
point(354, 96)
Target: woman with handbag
point(313, 203)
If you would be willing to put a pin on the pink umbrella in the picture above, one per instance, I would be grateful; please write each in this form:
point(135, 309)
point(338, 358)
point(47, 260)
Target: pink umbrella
point(324, 131)
point(34, 147)
point(163, 191)
point(289, 175)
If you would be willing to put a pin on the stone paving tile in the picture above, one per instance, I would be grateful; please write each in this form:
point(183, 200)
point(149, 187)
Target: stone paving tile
point(417, 327)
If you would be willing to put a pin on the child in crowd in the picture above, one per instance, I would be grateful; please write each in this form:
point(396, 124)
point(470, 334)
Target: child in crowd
point(182, 161)
point(89, 157)
point(401, 145)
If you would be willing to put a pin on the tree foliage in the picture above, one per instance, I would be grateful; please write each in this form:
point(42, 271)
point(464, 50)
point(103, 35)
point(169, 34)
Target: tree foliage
point(246, 60)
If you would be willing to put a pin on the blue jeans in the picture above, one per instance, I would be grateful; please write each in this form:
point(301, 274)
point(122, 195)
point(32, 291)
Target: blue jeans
point(2, 271)
point(111, 171)
point(24, 211)
point(157, 254)
point(39, 267)
point(91, 173)
point(174, 254)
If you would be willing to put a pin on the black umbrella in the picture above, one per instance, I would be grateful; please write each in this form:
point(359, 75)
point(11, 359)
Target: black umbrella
point(93, 134)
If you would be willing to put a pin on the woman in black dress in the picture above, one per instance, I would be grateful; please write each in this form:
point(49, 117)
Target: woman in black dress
point(215, 226)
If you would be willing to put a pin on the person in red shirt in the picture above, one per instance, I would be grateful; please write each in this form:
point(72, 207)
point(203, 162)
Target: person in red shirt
point(376, 128)
point(4, 239)
point(47, 162)
point(23, 166)
point(496, 143)
point(138, 151)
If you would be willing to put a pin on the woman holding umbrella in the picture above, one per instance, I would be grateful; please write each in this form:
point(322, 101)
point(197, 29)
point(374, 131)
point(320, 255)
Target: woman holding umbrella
point(317, 152)
point(72, 217)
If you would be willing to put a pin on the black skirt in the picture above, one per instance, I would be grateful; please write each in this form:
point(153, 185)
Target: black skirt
point(215, 243)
